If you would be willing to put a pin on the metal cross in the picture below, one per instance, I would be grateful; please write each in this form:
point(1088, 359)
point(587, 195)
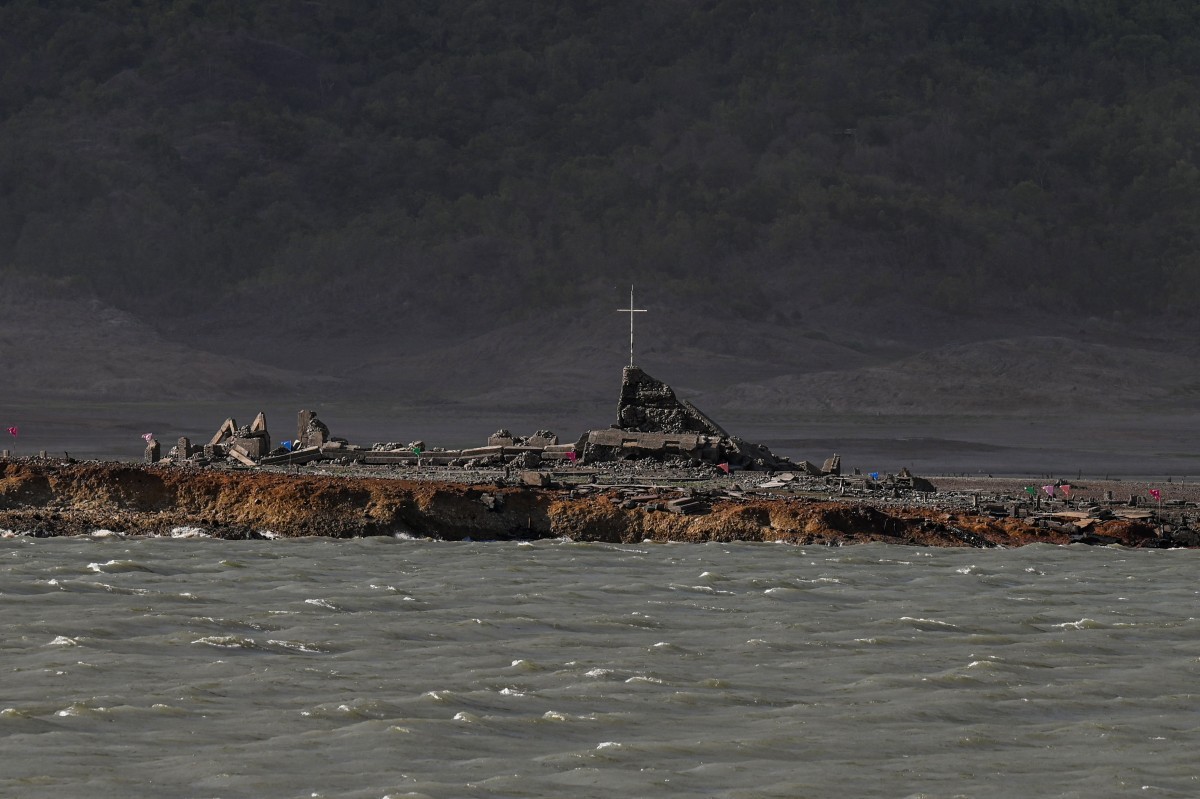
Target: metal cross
point(631, 311)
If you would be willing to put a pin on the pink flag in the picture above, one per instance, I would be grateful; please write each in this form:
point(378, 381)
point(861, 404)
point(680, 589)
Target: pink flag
point(1066, 489)
point(723, 467)
point(571, 456)
point(147, 437)
point(12, 431)
point(1049, 490)
point(1154, 492)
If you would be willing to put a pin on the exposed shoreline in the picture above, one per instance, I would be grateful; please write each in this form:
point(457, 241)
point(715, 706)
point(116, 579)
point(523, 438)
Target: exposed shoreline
point(50, 498)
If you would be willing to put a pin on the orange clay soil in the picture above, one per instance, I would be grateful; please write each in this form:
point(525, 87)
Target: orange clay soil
point(49, 499)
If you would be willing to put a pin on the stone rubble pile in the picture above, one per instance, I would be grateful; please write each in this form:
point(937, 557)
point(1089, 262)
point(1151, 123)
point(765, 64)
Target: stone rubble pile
point(656, 434)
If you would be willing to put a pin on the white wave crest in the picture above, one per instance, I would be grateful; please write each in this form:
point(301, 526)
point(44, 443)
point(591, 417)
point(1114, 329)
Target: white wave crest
point(189, 532)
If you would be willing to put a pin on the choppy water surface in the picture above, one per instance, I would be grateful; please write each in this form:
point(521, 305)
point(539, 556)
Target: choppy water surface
point(373, 668)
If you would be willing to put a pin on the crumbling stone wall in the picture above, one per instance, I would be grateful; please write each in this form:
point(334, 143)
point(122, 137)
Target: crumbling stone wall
point(650, 406)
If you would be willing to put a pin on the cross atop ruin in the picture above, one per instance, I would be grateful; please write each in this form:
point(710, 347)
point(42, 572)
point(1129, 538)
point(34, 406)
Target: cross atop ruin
point(631, 311)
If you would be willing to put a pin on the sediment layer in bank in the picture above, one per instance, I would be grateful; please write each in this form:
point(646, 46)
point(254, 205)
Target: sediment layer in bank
point(44, 498)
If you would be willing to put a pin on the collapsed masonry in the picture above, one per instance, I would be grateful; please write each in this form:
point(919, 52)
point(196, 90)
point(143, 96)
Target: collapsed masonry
point(653, 423)
point(247, 444)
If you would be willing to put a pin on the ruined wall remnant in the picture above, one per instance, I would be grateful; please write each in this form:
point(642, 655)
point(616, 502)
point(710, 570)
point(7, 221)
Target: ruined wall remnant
point(650, 406)
point(310, 431)
point(653, 423)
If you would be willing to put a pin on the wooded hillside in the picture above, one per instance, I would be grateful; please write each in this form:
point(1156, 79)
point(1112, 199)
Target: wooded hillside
point(507, 154)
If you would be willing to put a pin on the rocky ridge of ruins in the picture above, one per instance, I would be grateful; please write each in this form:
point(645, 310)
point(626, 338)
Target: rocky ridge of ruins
point(652, 423)
point(664, 472)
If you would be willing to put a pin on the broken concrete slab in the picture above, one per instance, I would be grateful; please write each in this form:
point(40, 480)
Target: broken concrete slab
point(535, 479)
point(296, 457)
point(227, 429)
point(240, 456)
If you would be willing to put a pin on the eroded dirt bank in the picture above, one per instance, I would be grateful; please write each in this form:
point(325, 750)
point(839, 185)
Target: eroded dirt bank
point(48, 499)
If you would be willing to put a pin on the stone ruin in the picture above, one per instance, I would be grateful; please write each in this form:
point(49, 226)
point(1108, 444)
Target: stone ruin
point(246, 444)
point(647, 405)
point(653, 423)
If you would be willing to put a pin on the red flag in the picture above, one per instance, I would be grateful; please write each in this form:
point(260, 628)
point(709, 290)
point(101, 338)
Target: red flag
point(1066, 489)
point(12, 431)
point(723, 467)
point(571, 456)
point(1154, 492)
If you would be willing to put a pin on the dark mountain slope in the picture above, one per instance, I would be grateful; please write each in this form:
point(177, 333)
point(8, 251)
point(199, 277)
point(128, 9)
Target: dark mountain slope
point(435, 200)
point(476, 154)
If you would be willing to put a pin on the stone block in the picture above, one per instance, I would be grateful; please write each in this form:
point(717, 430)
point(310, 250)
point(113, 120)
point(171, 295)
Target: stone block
point(535, 479)
point(311, 431)
point(236, 452)
point(253, 447)
point(542, 438)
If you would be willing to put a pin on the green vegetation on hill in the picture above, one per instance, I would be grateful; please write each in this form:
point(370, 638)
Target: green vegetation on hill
point(402, 154)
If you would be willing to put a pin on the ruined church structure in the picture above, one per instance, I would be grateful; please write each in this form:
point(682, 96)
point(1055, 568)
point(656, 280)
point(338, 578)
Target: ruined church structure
point(653, 423)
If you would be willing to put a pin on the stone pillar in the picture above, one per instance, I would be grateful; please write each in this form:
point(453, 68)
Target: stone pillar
point(302, 420)
point(153, 451)
point(183, 448)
